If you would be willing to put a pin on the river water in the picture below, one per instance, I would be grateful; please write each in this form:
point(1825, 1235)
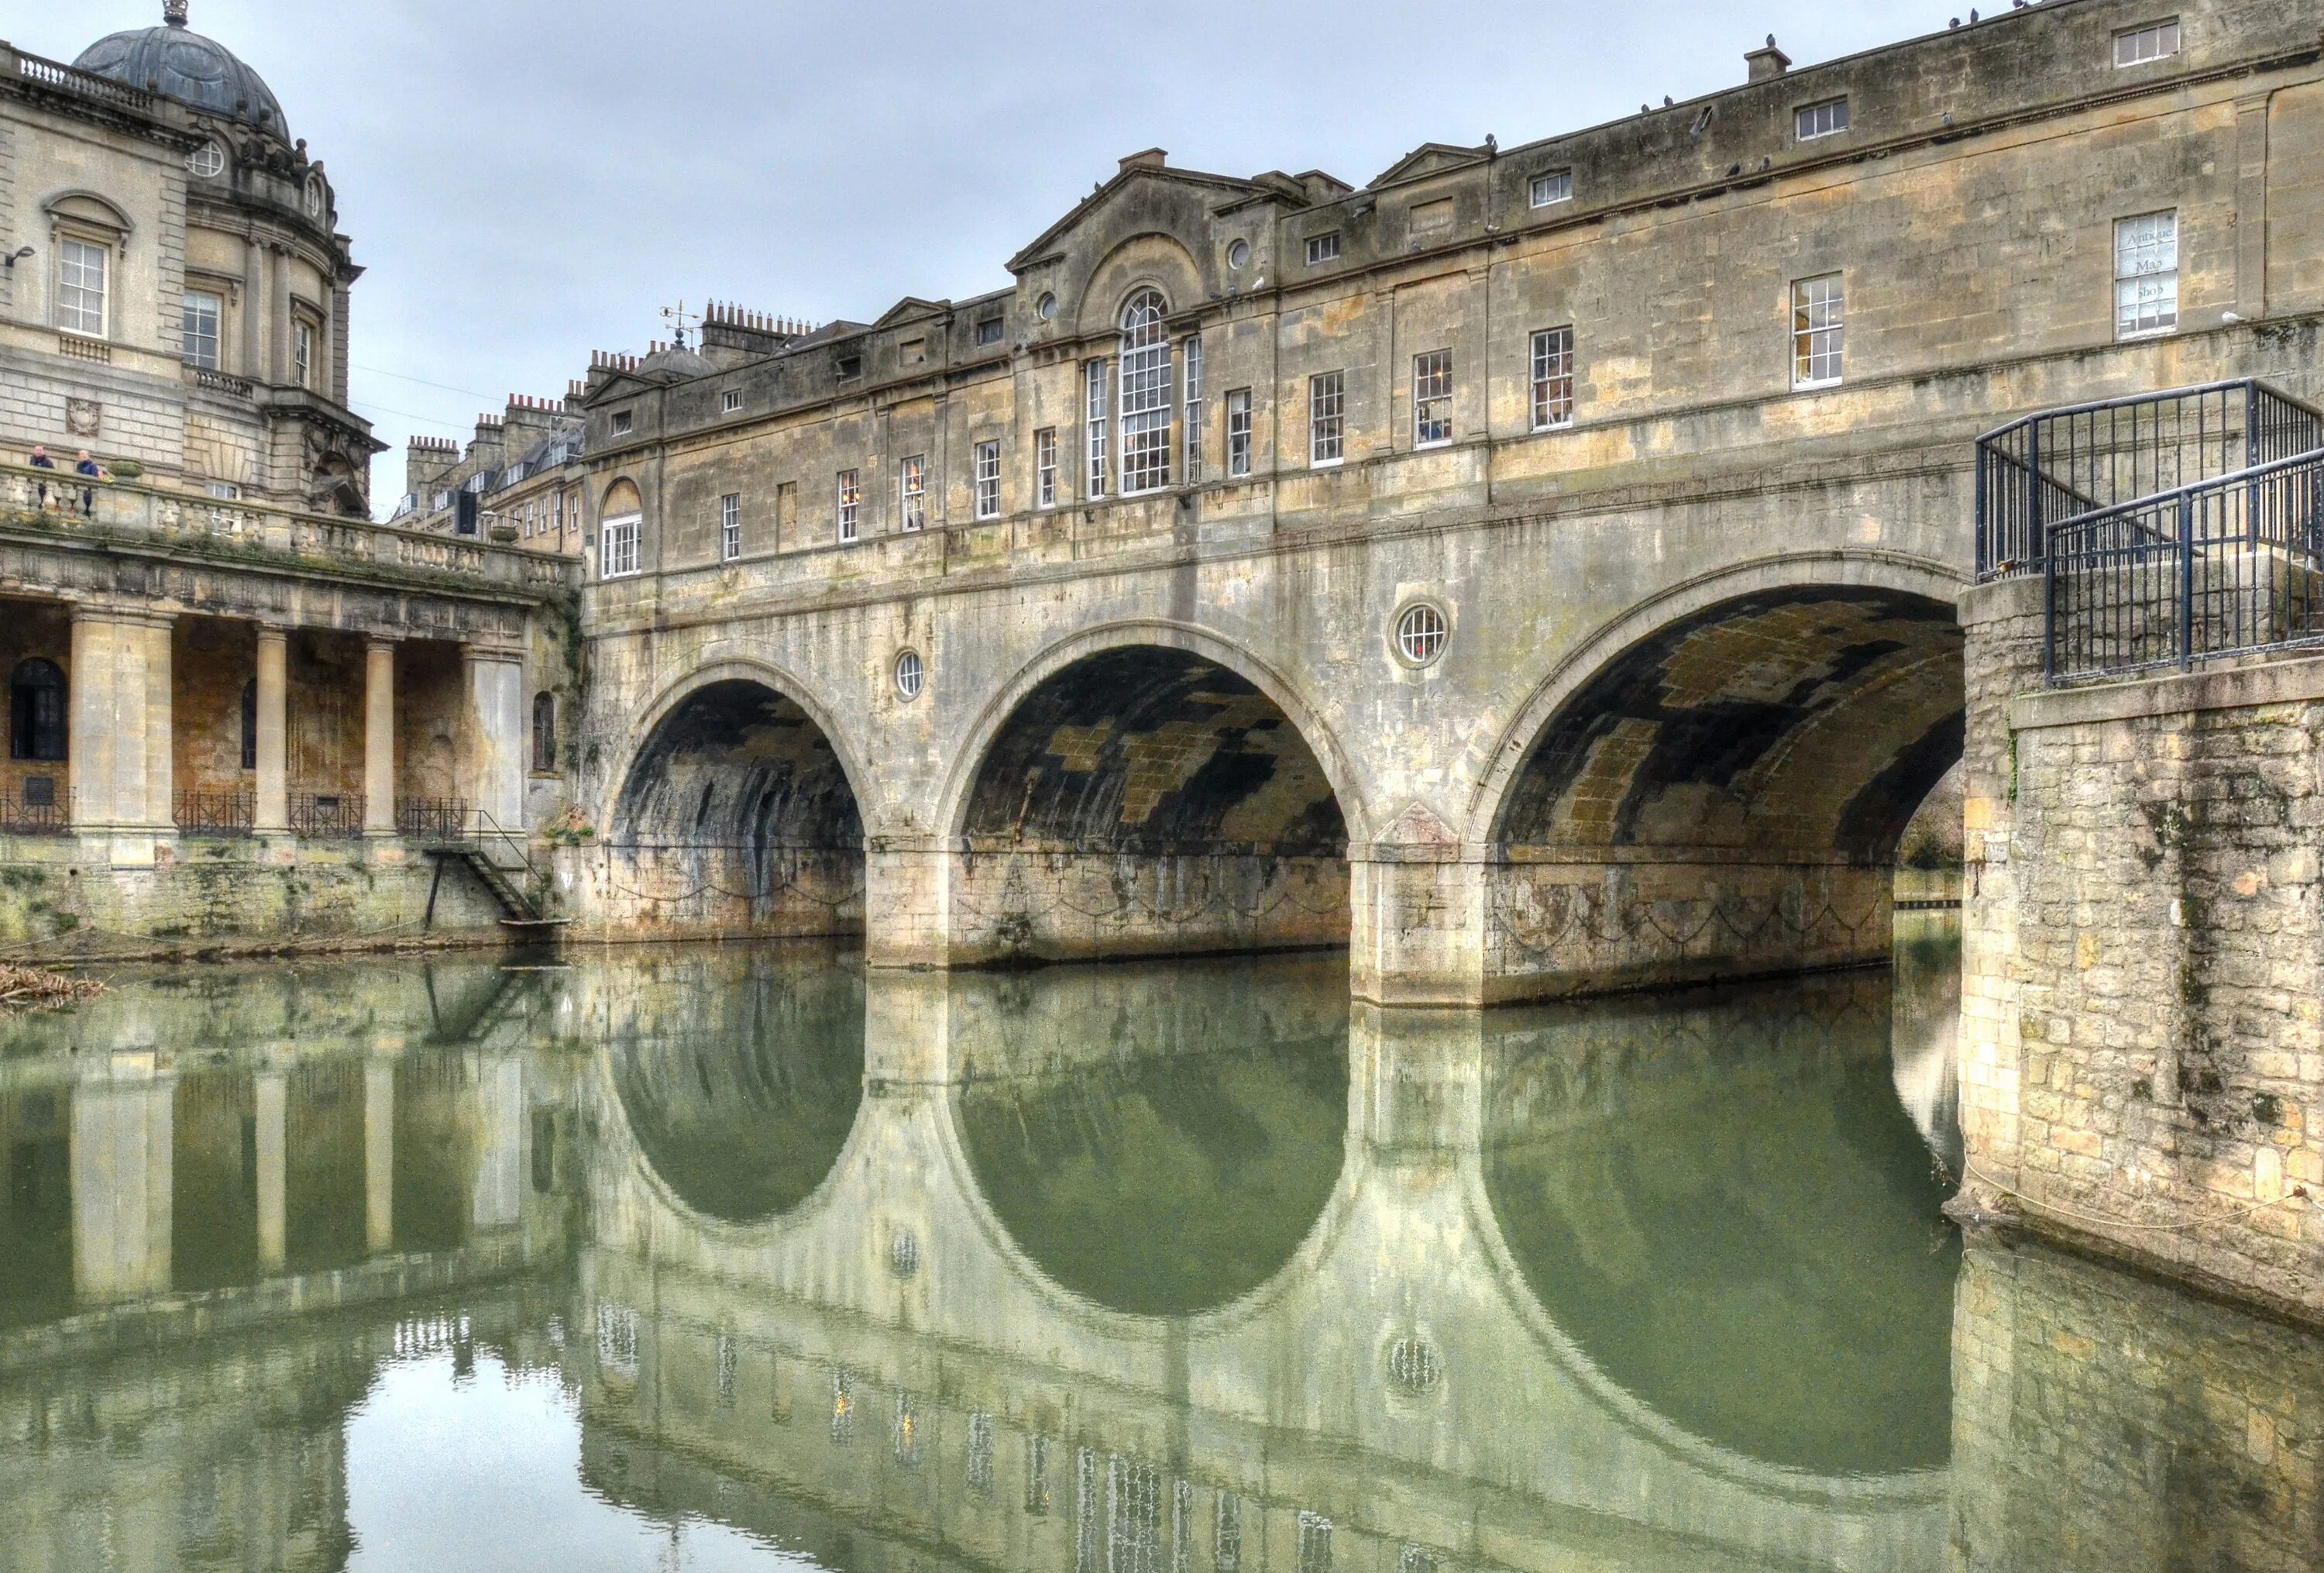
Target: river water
point(743, 1258)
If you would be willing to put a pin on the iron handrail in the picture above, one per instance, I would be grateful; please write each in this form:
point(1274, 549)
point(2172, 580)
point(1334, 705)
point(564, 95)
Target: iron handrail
point(2163, 397)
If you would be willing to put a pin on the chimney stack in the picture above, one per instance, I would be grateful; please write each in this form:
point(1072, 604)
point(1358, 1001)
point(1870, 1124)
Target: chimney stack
point(1768, 63)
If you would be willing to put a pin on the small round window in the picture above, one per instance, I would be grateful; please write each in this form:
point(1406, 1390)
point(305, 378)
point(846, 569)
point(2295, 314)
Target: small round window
point(910, 675)
point(1238, 254)
point(1047, 307)
point(208, 161)
point(1420, 633)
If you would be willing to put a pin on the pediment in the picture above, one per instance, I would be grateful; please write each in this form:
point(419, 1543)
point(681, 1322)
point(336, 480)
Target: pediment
point(1140, 171)
point(911, 308)
point(1430, 158)
point(86, 207)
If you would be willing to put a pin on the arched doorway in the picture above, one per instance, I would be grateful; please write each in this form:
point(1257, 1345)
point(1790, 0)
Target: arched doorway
point(1146, 800)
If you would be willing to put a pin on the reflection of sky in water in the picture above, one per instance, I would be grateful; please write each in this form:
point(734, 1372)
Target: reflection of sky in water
point(479, 1472)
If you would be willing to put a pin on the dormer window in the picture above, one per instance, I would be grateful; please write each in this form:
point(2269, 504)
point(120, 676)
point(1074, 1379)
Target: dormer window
point(1323, 248)
point(1549, 189)
point(1827, 118)
point(2157, 41)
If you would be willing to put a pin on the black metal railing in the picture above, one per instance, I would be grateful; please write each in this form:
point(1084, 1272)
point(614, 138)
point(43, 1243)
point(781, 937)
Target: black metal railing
point(2227, 565)
point(327, 815)
point(2036, 474)
point(215, 813)
point(438, 819)
point(35, 813)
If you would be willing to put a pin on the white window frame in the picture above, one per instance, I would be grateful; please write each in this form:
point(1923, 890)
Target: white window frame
point(1818, 331)
point(1324, 248)
point(850, 485)
point(76, 256)
point(912, 493)
point(1095, 386)
point(991, 330)
point(1825, 117)
point(1145, 373)
point(1431, 399)
point(303, 337)
point(1191, 376)
point(2146, 43)
point(1044, 467)
point(730, 526)
point(2146, 276)
point(1550, 188)
point(1327, 419)
point(624, 421)
point(1551, 365)
point(1239, 432)
point(987, 479)
point(617, 546)
point(730, 401)
point(199, 349)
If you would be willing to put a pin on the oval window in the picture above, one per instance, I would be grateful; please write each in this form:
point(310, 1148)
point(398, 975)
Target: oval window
point(910, 675)
point(208, 161)
point(1238, 254)
point(1420, 633)
point(1047, 307)
point(314, 199)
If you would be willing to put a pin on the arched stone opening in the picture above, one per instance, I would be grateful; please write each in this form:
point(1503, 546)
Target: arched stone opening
point(736, 816)
point(1726, 794)
point(1148, 801)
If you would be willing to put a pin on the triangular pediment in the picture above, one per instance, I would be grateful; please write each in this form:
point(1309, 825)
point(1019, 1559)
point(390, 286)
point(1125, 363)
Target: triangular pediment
point(1430, 158)
point(911, 308)
point(1138, 167)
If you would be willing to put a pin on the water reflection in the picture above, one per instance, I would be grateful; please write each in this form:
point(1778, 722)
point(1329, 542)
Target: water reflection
point(718, 1257)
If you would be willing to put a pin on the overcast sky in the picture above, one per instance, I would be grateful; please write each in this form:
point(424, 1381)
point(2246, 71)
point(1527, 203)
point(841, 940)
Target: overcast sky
point(526, 180)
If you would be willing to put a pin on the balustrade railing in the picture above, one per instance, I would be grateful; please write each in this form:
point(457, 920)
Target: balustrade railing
point(215, 813)
point(327, 815)
point(437, 819)
point(2036, 475)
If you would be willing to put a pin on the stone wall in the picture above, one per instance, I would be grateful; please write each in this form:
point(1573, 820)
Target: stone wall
point(1037, 904)
point(2144, 1043)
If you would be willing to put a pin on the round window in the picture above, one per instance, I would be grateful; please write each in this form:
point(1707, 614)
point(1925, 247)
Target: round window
point(208, 161)
point(1420, 633)
point(910, 675)
point(1047, 307)
point(1239, 254)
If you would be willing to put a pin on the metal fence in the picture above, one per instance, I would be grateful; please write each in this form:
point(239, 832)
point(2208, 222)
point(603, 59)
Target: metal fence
point(2036, 474)
point(438, 820)
point(2224, 566)
point(328, 814)
point(215, 813)
point(35, 813)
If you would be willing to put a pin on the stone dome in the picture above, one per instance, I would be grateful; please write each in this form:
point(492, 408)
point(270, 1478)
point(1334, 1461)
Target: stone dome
point(184, 65)
point(676, 363)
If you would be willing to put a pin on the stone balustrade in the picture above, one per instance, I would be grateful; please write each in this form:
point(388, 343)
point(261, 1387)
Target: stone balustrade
point(128, 512)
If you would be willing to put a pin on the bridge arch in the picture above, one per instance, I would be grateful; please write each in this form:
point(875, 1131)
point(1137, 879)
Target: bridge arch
point(1715, 782)
point(735, 808)
point(1145, 786)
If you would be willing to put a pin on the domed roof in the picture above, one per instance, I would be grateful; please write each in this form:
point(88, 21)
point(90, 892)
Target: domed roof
point(186, 66)
point(676, 362)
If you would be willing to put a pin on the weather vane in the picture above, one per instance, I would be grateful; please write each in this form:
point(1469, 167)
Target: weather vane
point(678, 318)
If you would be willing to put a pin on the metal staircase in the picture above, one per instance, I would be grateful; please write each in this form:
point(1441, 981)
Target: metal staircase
point(452, 832)
point(2167, 528)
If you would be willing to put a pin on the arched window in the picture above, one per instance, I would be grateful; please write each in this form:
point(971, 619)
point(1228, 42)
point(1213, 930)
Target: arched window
point(36, 710)
point(250, 725)
point(1146, 395)
point(544, 730)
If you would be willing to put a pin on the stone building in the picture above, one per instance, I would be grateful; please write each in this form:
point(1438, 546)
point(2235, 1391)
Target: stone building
point(238, 708)
point(521, 475)
point(1535, 566)
point(176, 296)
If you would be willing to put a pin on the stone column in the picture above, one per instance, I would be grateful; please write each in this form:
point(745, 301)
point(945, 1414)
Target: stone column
point(379, 737)
point(123, 1133)
point(492, 727)
point(120, 730)
point(379, 1155)
point(272, 808)
point(91, 729)
point(907, 902)
point(273, 1105)
point(159, 724)
point(1415, 924)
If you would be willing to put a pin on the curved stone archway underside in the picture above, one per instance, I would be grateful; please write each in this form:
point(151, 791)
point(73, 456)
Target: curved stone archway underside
point(1148, 801)
point(737, 814)
point(1725, 796)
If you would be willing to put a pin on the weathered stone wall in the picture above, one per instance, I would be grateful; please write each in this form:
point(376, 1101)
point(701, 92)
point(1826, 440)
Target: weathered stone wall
point(1039, 904)
point(2145, 946)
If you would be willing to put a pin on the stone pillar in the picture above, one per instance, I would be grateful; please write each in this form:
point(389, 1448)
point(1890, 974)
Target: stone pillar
point(123, 1133)
point(379, 1155)
point(907, 902)
point(2001, 658)
point(379, 737)
point(492, 727)
point(273, 1105)
point(271, 815)
point(120, 729)
point(1416, 920)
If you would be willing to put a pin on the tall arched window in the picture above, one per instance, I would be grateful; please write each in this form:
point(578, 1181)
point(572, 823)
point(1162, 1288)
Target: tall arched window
point(544, 730)
point(250, 725)
point(1146, 395)
point(36, 710)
